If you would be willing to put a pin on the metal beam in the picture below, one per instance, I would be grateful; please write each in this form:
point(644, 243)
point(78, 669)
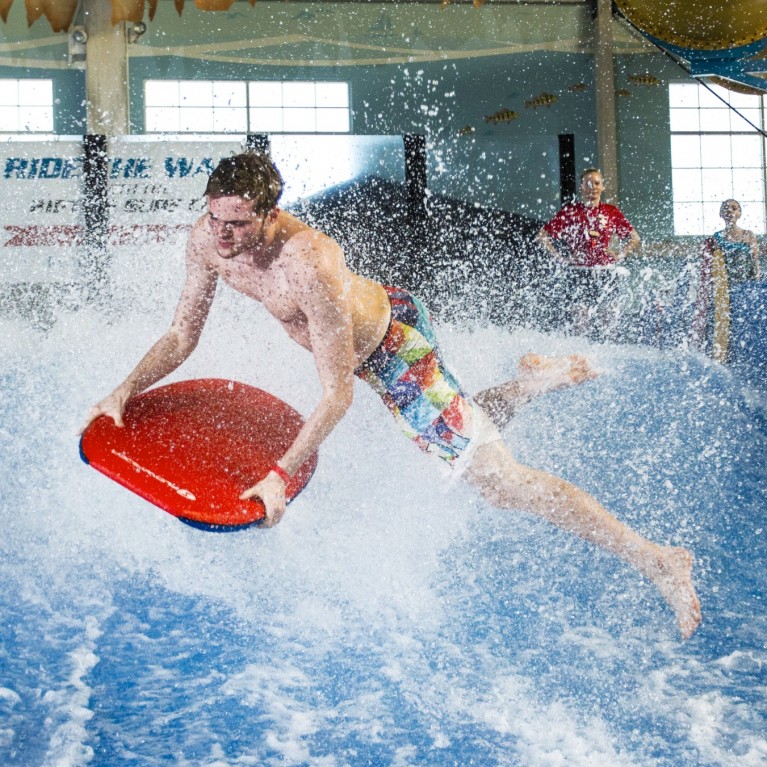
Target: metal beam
point(106, 71)
point(94, 260)
point(415, 176)
point(568, 185)
point(607, 132)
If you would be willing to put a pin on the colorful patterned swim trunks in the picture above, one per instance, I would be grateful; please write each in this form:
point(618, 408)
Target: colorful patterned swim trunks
point(407, 372)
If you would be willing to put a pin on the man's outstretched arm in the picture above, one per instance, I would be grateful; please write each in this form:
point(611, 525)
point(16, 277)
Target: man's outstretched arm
point(170, 350)
point(324, 300)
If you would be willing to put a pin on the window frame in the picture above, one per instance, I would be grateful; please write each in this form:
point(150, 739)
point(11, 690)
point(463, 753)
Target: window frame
point(689, 136)
point(22, 104)
point(279, 110)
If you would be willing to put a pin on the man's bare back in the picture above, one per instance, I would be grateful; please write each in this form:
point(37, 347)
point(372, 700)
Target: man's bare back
point(283, 268)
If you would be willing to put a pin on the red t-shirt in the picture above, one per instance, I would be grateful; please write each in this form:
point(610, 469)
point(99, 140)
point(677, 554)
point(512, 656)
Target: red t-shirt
point(587, 231)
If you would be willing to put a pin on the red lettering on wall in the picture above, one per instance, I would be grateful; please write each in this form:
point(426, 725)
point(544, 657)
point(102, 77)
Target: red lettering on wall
point(60, 235)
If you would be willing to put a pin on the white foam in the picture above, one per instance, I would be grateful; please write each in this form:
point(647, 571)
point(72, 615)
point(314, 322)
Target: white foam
point(289, 720)
point(69, 706)
point(10, 696)
point(366, 556)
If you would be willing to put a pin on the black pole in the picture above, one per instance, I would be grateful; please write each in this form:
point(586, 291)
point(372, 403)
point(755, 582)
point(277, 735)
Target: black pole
point(567, 185)
point(259, 142)
point(94, 262)
point(415, 176)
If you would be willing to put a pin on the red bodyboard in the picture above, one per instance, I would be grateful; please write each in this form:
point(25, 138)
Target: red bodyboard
point(193, 447)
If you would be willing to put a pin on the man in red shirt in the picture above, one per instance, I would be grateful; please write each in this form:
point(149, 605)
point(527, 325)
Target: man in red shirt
point(581, 237)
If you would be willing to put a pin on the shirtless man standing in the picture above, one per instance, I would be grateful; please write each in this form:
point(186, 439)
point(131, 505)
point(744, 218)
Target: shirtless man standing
point(354, 326)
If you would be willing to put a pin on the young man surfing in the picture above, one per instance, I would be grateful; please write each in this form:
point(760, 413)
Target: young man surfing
point(354, 326)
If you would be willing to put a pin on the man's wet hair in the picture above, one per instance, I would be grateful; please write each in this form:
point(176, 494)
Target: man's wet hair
point(252, 176)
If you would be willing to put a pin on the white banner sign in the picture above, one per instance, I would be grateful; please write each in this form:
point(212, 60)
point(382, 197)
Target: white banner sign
point(155, 194)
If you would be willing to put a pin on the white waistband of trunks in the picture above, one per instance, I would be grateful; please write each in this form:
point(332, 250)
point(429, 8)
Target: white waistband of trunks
point(485, 432)
point(617, 269)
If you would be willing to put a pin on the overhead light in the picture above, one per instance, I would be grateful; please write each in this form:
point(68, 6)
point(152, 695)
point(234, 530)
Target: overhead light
point(78, 37)
point(135, 31)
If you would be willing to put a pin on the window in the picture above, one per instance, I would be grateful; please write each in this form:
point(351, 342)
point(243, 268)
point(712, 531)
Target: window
point(299, 107)
point(26, 106)
point(235, 106)
point(715, 155)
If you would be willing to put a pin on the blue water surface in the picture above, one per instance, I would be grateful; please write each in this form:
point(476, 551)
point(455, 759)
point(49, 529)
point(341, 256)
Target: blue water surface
point(393, 618)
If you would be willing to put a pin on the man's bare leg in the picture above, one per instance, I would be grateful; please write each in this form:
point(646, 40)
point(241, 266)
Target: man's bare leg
point(510, 485)
point(536, 375)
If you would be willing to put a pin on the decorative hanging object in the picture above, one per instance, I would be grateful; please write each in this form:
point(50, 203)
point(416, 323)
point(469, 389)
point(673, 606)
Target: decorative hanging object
point(724, 39)
point(5, 6)
point(131, 10)
point(703, 25)
point(60, 13)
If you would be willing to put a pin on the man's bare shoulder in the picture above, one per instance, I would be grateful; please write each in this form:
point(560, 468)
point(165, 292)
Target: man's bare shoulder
point(308, 248)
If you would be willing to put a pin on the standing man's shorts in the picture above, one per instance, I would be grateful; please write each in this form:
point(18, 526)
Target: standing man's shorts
point(428, 403)
point(590, 285)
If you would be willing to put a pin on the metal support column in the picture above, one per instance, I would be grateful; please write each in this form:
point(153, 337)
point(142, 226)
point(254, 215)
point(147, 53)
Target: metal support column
point(106, 70)
point(415, 176)
point(568, 187)
point(94, 264)
point(106, 85)
point(607, 132)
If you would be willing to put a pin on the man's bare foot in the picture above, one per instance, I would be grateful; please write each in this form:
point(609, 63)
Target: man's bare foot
point(539, 374)
point(672, 575)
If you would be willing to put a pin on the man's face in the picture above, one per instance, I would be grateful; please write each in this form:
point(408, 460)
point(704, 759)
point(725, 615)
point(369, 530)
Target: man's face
point(236, 228)
point(592, 186)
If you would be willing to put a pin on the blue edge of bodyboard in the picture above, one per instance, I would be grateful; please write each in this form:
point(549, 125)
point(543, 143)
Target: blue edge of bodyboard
point(202, 525)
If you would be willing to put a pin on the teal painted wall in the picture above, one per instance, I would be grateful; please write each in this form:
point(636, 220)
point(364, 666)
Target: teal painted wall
point(513, 165)
point(68, 97)
point(645, 146)
point(39, 53)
